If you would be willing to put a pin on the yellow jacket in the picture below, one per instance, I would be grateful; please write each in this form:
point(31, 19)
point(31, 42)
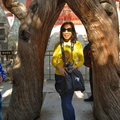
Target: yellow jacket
point(76, 56)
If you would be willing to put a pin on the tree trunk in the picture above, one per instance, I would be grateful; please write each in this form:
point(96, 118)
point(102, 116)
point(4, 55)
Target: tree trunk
point(101, 23)
point(28, 75)
point(100, 20)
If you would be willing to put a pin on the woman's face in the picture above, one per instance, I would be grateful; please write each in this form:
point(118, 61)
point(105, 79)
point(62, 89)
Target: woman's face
point(67, 32)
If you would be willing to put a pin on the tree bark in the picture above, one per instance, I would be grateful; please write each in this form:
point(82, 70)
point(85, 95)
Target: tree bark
point(101, 22)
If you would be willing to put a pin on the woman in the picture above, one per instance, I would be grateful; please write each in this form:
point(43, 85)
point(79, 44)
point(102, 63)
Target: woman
point(73, 53)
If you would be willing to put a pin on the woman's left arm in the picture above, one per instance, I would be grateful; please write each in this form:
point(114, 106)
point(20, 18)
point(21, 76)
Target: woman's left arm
point(79, 50)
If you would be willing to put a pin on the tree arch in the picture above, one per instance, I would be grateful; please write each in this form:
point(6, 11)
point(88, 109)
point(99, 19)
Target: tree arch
point(100, 20)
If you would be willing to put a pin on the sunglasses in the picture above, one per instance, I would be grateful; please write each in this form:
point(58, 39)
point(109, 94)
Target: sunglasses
point(68, 29)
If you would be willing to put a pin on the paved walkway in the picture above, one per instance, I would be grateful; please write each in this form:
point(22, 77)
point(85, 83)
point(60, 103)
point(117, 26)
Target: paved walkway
point(51, 109)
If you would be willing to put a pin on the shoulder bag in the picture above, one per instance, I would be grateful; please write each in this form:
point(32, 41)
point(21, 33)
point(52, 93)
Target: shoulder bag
point(73, 81)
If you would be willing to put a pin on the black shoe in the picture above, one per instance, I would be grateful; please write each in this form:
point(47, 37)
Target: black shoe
point(89, 99)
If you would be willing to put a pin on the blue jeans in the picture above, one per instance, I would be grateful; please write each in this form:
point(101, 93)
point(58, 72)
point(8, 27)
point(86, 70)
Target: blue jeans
point(0, 106)
point(66, 103)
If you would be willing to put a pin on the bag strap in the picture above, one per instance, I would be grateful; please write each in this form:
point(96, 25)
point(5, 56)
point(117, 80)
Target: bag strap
point(62, 50)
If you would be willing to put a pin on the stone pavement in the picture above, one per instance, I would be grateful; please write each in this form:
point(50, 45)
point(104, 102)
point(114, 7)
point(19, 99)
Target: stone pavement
point(51, 109)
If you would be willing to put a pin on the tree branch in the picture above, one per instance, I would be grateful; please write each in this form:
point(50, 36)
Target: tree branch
point(108, 8)
point(17, 8)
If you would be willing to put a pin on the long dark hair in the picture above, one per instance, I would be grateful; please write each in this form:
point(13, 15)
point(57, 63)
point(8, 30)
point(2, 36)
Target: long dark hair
point(74, 35)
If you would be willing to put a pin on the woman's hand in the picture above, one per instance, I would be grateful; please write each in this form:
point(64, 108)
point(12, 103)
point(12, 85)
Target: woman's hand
point(61, 70)
point(74, 67)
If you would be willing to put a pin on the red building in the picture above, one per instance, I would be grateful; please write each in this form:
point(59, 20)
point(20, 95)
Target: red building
point(67, 15)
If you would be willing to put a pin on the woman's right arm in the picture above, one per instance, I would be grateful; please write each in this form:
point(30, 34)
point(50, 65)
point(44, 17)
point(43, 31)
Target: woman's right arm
point(55, 61)
point(61, 70)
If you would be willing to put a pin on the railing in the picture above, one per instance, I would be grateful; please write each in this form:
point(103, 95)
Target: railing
point(49, 69)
